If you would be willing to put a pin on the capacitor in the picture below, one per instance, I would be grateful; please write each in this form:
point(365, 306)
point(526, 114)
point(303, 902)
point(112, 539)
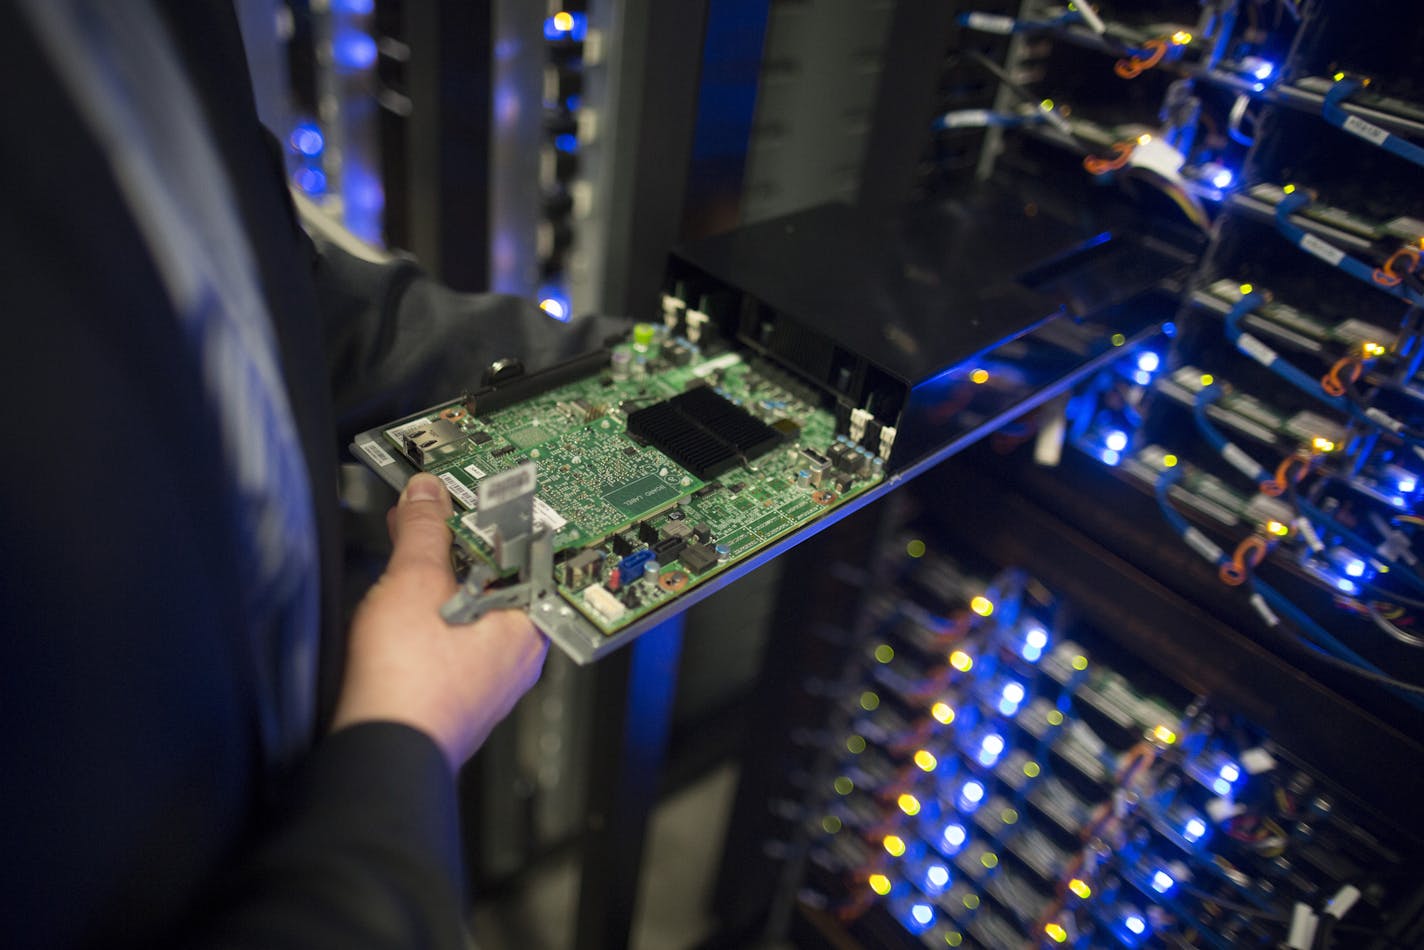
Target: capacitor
point(642, 336)
point(651, 570)
point(620, 363)
point(803, 479)
point(723, 551)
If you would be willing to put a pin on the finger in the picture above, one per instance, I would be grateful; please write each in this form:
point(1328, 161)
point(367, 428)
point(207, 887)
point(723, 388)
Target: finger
point(418, 532)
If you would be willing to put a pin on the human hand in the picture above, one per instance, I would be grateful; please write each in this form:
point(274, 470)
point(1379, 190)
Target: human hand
point(406, 664)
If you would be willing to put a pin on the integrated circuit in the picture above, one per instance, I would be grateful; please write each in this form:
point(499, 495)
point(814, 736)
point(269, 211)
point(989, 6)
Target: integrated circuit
point(703, 431)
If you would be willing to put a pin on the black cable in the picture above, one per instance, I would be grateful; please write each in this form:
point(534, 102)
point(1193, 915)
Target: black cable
point(1256, 913)
point(1346, 665)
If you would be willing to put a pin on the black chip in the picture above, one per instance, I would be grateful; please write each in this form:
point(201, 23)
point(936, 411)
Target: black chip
point(480, 438)
point(703, 432)
point(630, 450)
point(698, 558)
point(502, 450)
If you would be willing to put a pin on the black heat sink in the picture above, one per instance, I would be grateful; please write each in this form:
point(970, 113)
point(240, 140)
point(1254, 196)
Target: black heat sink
point(703, 432)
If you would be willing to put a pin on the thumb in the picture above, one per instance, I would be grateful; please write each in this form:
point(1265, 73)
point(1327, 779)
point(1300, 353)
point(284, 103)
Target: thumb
point(418, 530)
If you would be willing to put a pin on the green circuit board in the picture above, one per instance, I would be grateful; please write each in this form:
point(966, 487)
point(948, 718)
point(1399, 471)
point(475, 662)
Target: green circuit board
point(616, 501)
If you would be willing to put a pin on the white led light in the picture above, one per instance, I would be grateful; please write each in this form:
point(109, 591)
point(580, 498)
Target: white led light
point(1135, 923)
point(1194, 830)
point(1162, 882)
point(993, 744)
point(972, 792)
point(937, 875)
point(1147, 361)
point(954, 835)
point(922, 913)
point(1116, 440)
point(1230, 771)
point(1037, 638)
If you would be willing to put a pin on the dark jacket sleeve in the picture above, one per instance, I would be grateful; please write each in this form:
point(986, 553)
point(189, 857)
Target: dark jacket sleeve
point(398, 341)
point(363, 853)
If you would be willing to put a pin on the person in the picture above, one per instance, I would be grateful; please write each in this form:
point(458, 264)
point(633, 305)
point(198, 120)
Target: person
point(195, 752)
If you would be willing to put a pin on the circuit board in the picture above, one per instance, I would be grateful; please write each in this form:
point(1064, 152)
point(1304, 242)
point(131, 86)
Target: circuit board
point(657, 471)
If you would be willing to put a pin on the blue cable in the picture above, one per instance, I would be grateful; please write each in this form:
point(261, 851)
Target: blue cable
point(1233, 454)
point(1270, 359)
point(1325, 251)
point(1204, 546)
point(1336, 115)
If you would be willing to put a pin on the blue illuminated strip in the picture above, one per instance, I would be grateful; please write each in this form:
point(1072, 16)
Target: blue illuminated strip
point(1336, 115)
point(1332, 255)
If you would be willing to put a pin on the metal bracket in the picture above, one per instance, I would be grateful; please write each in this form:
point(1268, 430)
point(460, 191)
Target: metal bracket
point(474, 599)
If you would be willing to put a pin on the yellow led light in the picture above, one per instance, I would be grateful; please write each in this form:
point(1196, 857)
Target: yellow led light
point(1207, 379)
point(1118, 339)
point(979, 377)
point(1169, 460)
point(894, 845)
point(1080, 662)
point(1031, 769)
point(1373, 349)
point(1046, 105)
point(942, 712)
point(1339, 76)
point(563, 22)
point(844, 786)
point(1056, 933)
point(1289, 189)
point(989, 859)
point(1008, 816)
point(1181, 38)
point(926, 761)
point(880, 884)
point(1164, 735)
point(961, 661)
point(909, 804)
point(954, 938)
point(1322, 444)
point(971, 901)
point(830, 824)
point(855, 745)
point(1278, 529)
point(1055, 718)
point(884, 653)
point(915, 548)
point(1080, 887)
point(982, 606)
point(553, 308)
point(869, 701)
point(1247, 289)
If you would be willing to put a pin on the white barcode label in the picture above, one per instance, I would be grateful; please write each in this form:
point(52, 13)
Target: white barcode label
point(458, 489)
point(1203, 545)
point(1242, 462)
point(1384, 419)
point(713, 365)
point(475, 471)
point(1322, 249)
point(1255, 349)
point(498, 489)
point(965, 118)
point(375, 453)
point(990, 23)
point(1264, 609)
point(1366, 130)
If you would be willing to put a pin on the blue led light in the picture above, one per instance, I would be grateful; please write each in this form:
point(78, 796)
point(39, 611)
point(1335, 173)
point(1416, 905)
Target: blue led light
point(1223, 178)
point(1012, 692)
point(1148, 361)
point(1408, 484)
point(1110, 457)
point(572, 103)
point(306, 138)
point(1037, 637)
point(1162, 882)
point(1135, 923)
point(936, 877)
point(923, 914)
point(990, 748)
point(1032, 653)
point(311, 180)
point(1230, 771)
point(356, 7)
point(353, 50)
point(972, 793)
point(1169, 328)
point(1115, 440)
point(1194, 829)
point(953, 837)
point(1264, 70)
point(568, 142)
point(1221, 786)
point(1141, 377)
point(1345, 586)
point(555, 302)
point(1355, 567)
